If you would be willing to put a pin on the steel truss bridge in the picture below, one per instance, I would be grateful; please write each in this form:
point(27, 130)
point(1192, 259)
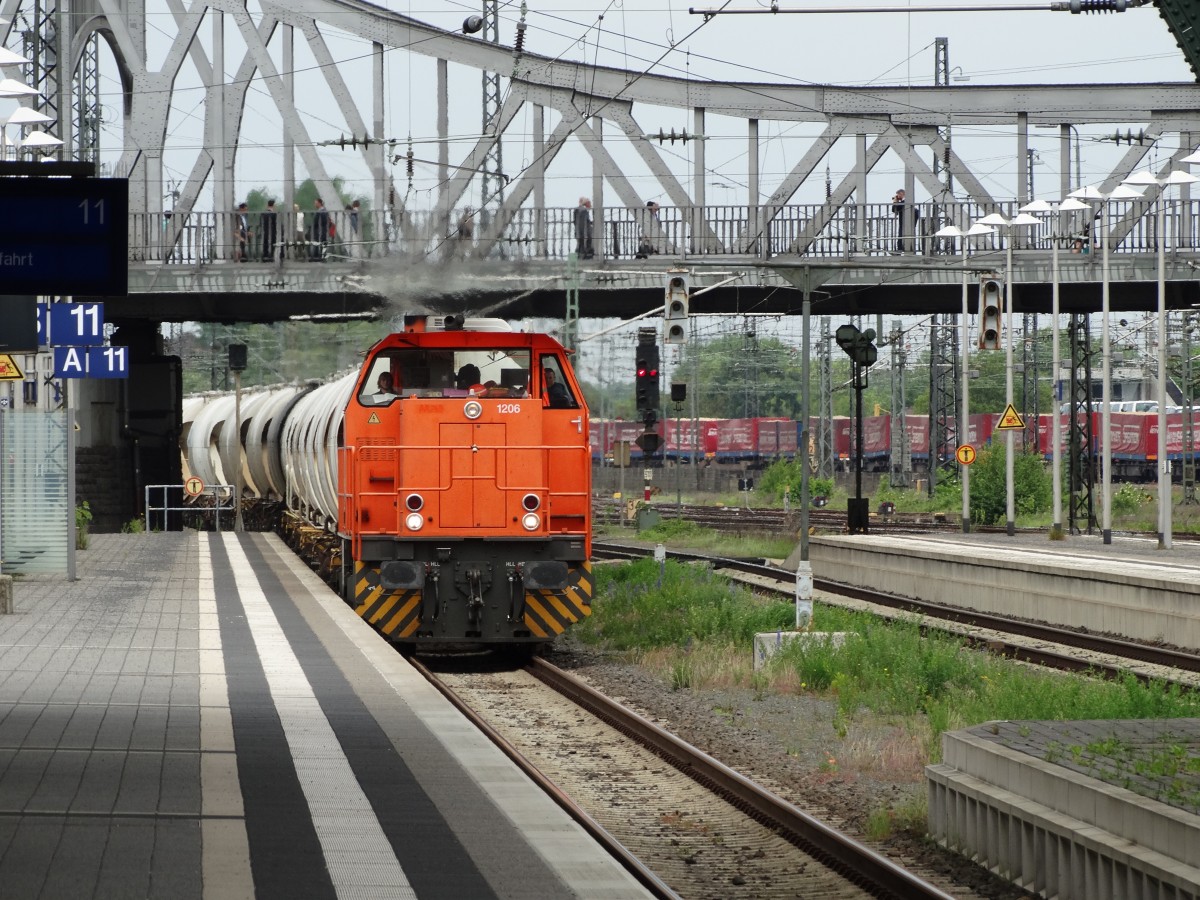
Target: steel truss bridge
point(848, 252)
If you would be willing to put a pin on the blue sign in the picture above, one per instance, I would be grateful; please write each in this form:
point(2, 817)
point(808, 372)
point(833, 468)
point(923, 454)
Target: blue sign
point(76, 324)
point(108, 362)
point(91, 362)
point(70, 362)
point(71, 237)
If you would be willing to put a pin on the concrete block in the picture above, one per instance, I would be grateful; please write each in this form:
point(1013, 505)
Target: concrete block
point(768, 644)
point(6, 594)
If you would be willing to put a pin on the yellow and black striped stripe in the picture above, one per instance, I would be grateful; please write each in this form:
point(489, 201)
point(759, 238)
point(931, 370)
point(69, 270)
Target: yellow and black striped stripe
point(397, 613)
point(548, 613)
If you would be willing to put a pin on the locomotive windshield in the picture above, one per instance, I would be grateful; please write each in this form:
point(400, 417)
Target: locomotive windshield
point(447, 373)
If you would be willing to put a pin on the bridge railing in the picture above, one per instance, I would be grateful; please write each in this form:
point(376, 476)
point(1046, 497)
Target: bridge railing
point(808, 230)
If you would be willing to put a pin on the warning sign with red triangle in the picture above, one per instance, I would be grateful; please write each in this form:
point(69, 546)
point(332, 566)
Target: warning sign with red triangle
point(9, 370)
point(1010, 420)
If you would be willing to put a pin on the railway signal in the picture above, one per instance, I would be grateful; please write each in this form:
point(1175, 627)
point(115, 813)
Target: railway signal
point(991, 290)
point(857, 344)
point(646, 362)
point(675, 309)
point(863, 354)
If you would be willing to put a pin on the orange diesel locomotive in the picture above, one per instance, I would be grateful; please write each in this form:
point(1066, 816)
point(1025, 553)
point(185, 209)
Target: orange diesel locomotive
point(464, 488)
point(453, 470)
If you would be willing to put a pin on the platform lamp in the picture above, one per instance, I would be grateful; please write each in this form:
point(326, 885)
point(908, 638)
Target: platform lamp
point(998, 219)
point(964, 429)
point(1120, 192)
point(237, 365)
point(1142, 179)
point(1043, 206)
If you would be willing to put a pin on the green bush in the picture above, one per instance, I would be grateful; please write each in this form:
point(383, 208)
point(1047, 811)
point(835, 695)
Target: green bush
point(1032, 485)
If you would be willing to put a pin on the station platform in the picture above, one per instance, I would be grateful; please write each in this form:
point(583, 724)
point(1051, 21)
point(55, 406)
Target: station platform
point(199, 716)
point(1128, 587)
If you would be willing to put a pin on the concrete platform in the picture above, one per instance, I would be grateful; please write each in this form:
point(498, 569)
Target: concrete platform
point(198, 716)
point(1021, 799)
point(1128, 587)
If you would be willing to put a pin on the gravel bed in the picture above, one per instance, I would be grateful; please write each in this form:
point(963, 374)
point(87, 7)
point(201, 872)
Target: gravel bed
point(788, 743)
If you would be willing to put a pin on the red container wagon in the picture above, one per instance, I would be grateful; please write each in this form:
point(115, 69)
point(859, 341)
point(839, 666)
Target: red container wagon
point(916, 430)
point(735, 440)
point(775, 437)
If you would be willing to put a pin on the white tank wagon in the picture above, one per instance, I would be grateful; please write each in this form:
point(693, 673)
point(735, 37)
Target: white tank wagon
point(308, 446)
point(288, 443)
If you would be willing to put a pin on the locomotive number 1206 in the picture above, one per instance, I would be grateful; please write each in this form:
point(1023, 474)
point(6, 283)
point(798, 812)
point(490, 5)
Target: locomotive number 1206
point(508, 408)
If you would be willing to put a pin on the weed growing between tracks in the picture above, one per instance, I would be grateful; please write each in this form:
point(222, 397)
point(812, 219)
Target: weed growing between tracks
point(889, 691)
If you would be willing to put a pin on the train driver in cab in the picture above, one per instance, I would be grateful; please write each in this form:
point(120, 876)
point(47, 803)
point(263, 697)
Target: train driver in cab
point(385, 389)
point(554, 391)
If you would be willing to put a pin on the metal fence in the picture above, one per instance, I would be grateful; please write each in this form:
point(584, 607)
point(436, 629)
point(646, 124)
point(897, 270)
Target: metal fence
point(169, 507)
point(814, 230)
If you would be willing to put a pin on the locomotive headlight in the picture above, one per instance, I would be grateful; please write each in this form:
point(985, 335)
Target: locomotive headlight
point(414, 502)
point(531, 521)
point(531, 502)
point(472, 409)
point(414, 521)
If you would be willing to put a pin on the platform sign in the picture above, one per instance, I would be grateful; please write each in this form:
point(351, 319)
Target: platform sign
point(70, 236)
point(1010, 420)
point(108, 362)
point(965, 454)
point(75, 324)
point(9, 370)
point(91, 362)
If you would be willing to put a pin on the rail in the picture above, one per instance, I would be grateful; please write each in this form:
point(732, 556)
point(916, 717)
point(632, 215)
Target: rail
point(817, 231)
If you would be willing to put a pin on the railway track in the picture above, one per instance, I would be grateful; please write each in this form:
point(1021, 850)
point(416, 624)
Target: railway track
point(685, 824)
point(1033, 642)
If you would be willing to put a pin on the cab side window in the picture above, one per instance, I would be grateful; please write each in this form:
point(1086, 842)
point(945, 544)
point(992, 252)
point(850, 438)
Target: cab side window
point(555, 392)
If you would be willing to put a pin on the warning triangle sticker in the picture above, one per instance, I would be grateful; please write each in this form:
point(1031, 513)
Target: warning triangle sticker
point(9, 370)
point(1010, 419)
point(374, 419)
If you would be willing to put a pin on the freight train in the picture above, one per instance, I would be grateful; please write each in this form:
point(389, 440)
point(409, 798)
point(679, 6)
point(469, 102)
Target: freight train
point(451, 469)
point(760, 441)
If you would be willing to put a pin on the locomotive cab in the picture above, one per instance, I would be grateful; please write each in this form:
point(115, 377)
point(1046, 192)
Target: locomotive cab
point(464, 490)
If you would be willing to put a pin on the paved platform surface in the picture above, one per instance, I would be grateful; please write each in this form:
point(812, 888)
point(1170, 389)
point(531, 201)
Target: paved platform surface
point(198, 716)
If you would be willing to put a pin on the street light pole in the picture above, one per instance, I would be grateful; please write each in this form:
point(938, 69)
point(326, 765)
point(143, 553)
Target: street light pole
point(1164, 465)
point(1009, 461)
point(964, 423)
point(1042, 206)
point(1121, 192)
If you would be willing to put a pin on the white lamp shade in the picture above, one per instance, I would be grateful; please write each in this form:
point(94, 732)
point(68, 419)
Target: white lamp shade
point(1178, 176)
point(1192, 157)
point(978, 228)
point(23, 115)
point(1037, 206)
point(949, 231)
point(8, 58)
point(1091, 192)
point(1072, 204)
point(993, 219)
point(40, 139)
point(10, 87)
point(1125, 192)
point(1025, 219)
point(1143, 177)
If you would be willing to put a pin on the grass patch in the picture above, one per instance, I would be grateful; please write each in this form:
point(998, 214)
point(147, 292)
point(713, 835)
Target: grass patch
point(697, 628)
point(641, 607)
point(683, 533)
